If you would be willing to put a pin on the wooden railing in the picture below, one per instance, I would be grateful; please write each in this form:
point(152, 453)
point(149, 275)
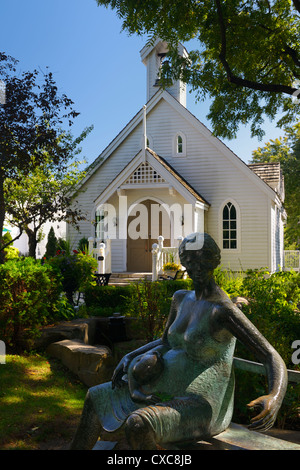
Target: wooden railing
point(163, 254)
point(292, 260)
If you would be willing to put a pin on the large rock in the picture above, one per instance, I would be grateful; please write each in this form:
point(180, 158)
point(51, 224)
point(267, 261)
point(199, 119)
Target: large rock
point(79, 329)
point(92, 330)
point(92, 364)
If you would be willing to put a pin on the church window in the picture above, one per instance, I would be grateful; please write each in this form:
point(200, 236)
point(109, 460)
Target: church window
point(229, 227)
point(180, 145)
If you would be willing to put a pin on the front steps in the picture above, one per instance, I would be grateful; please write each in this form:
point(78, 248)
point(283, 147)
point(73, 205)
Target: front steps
point(124, 279)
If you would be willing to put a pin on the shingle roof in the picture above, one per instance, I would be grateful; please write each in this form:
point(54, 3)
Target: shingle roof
point(179, 178)
point(269, 172)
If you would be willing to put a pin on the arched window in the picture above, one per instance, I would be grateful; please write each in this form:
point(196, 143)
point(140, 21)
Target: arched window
point(180, 145)
point(230, 227)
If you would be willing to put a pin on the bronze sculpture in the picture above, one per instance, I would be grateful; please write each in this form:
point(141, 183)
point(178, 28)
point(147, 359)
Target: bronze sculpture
point(197, 349)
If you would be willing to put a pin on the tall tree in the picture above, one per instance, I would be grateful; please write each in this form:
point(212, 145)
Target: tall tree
point(32, 114)
point(286, 150)
point(44, 194)
point(248, 59)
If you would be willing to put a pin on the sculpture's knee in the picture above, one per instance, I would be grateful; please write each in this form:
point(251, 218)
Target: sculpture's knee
point(139, 433)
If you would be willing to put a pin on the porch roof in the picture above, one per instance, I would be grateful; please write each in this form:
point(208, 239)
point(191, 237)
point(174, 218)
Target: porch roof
point(165, 169)
point(178, 177)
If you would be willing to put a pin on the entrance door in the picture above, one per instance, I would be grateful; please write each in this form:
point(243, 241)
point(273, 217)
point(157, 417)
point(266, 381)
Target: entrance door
point(139, 251)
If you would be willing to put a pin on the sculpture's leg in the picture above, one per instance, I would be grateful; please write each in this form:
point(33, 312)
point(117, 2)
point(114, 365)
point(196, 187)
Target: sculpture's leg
point(174, 421)
point(139, 433)
point(89, 428)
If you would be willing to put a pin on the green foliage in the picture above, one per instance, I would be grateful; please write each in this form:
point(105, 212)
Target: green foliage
point(41, 195)
point(105, 300)
point(149, 302)
point(286, 151)
point(10, 252)
point(245, 57)
point(51, 246)
point(230, 282)
point(76, 271)
point(29, 299)
point(83, 245)
point(31, 122)
point(273, 307)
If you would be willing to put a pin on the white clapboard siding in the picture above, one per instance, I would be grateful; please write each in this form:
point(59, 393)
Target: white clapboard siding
point(210, 168)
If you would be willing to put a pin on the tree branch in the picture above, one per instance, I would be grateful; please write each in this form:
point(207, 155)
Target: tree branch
point(242, 82)
point(293, 54)
point(297, 5)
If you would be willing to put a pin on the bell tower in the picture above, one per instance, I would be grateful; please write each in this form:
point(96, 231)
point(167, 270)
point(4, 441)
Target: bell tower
point(152, 57)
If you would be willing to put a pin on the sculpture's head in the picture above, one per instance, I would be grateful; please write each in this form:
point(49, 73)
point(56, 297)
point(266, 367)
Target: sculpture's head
point(199, 254)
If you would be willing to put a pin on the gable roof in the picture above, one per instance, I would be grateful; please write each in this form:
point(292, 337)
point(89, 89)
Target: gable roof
point(178, 177)
point(167, 174)
point(194, 121)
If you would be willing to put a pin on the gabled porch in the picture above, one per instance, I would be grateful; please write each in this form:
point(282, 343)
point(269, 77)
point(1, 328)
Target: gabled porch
point(146, 201)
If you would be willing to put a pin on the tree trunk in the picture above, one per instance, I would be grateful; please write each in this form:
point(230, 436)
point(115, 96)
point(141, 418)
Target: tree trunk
point(2, 215)
point(32, 242)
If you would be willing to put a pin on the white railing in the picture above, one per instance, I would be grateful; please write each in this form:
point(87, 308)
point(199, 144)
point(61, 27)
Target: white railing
point(102, 252)
point(292, 260)
point(163, 254)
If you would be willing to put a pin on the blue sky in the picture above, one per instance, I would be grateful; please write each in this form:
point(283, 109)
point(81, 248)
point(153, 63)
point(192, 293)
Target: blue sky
point(94, 64)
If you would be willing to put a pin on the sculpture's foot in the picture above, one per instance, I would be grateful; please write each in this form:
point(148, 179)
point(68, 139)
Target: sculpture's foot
point(139, 434)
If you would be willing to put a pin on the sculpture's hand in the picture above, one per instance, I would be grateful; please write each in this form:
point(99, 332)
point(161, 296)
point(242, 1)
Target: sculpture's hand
point(119, 371)
point(266, 418)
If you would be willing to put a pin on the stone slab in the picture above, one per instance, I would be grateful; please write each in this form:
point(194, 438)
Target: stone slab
point(238, 437)
point(92, 364)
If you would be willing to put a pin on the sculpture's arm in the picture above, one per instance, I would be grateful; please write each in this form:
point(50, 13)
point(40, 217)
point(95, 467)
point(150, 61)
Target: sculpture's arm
point(123, 365)
point(241, 327)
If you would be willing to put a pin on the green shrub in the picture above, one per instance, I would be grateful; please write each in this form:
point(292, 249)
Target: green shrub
point(29, 299)
point(150, 302)
point(106, 299)
point(76, 271)
point(229, 281)
point(272, 308)
point(51, 246)
point(10, 252)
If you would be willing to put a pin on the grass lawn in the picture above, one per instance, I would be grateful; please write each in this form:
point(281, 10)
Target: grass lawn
point(40, 403)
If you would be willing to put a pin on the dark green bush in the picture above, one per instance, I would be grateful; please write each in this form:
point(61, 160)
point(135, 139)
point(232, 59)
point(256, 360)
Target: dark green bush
point(106, 299)
point(272, 308)
point(30, 297)
point(76, 271)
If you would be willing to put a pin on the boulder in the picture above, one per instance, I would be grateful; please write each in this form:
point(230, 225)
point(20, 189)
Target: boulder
point(92, 364)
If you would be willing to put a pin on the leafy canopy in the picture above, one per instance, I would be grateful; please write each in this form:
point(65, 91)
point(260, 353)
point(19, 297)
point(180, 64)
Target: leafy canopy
point(32, 116)
point(247, 60)
point(286, 150)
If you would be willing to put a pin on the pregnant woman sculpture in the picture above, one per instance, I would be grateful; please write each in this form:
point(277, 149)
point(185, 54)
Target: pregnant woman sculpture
point(191, 364)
